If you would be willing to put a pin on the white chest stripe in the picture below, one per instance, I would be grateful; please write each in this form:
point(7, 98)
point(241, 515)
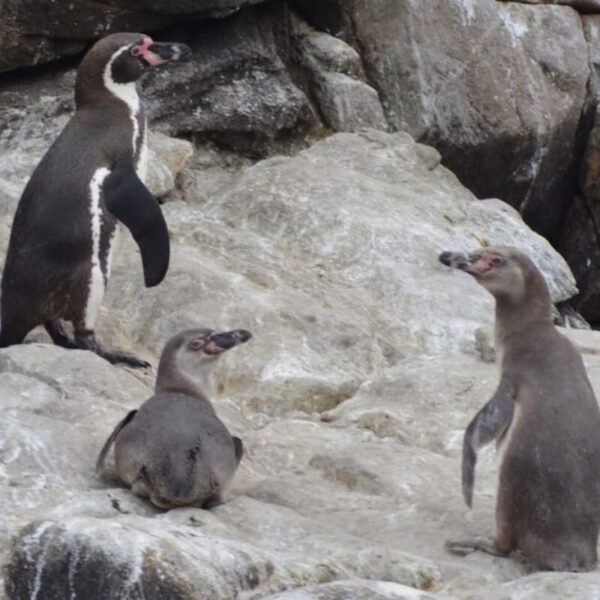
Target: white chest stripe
point(96, 283)
point(127, 92)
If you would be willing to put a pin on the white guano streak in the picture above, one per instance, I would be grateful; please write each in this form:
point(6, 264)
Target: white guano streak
point(96, 284)
point(127, 92)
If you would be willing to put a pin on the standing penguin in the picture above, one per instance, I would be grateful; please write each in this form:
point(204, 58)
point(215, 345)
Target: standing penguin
point(175, 449)
point(545, 414)
point(62, 238)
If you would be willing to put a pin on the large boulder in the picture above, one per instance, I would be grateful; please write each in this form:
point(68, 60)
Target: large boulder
point(337, 79)
point(583, 6)
point(316, 508)
point(340, 243)
point(39, 31)
point(351, 397)
point(498, 89)
point(579, 240)
point(236, 89)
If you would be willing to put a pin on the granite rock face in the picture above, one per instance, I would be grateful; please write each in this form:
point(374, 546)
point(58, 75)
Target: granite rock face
point(236, 89)
point(39, 31)
point(499, 90)
point(351, 398)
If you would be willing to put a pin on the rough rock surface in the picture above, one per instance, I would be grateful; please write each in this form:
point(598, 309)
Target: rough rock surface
point(498, 88)
point(236, 88)
point(351, 398)
point(584, 6)
point(39, 31)
point(581, 232)
point(346, 101)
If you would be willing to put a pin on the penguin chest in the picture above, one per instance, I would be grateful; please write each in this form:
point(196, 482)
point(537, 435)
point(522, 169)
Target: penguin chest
point(103, 229)
point(141, 165)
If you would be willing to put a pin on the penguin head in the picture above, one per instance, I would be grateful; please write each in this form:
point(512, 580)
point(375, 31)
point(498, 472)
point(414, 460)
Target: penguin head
point(190, 356)
point(503, 271)
point(122, 58)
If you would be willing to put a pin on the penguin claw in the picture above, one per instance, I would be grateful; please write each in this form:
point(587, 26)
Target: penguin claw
point(114, 357)
point(88, 341)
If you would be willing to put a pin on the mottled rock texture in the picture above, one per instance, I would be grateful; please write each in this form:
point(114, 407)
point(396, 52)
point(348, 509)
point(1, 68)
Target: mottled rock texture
point(39, 31)
point(369, 357)
point(498, 89)
point(351, 399)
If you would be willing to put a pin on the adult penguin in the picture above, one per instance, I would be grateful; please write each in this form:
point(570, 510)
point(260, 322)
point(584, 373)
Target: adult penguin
point(63, 234)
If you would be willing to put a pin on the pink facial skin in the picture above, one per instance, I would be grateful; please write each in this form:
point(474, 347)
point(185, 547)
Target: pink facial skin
point(483, 264)
point(141, 50)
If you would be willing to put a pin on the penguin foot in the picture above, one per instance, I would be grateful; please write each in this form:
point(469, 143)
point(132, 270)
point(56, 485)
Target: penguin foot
point(59, 336)
point(87, 341)
point(470, 543)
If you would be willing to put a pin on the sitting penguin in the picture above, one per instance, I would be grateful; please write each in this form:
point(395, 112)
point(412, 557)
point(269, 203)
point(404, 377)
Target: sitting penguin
point(175, 449)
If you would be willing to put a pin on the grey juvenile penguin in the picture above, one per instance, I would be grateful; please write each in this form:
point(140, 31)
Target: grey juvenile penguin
point(63, 234)
point(174, 449)
point(545, 415)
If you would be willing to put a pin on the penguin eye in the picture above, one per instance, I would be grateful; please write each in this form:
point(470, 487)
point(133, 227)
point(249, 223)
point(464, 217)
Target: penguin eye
point(196, 345)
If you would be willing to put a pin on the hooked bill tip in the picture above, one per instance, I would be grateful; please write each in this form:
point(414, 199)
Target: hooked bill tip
point(445, 258)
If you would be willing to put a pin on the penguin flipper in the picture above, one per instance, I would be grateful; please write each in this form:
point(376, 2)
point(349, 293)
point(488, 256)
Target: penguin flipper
point(239, 448)
point(130, 201)
point(112, 438)
point(490, 423)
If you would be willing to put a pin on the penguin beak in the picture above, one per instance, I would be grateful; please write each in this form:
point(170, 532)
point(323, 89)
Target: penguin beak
point(219, 342)
point(455, 260)
point(476, 263)
point(167, 52)
point(156, 53)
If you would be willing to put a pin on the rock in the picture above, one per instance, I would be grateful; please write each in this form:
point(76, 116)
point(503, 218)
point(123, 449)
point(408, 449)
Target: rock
point(350, 399)
point(340, 289)
point(34, 32)
point(331, 53)
point(348, 104)
point(583, 6)
point(345, 100)
point(315, 509)
point(579, 240)
point(210, 173)
point(187, 7)
point(357, 590)
point(236, 88)
point(67, 28)
point(167, 157)
point(448, 87)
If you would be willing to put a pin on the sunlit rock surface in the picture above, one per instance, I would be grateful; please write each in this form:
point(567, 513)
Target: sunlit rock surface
point(351, 398)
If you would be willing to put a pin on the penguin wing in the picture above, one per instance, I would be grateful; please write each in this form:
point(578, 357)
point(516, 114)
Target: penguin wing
point(111, 438)
point(129, 200)
point(490, 423)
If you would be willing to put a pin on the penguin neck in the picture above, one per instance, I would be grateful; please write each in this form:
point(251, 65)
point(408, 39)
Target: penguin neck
point(514, 318)
point(98, 88)
point(174, 380)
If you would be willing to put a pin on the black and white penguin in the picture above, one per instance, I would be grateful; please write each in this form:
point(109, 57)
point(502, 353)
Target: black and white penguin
point(63, 234)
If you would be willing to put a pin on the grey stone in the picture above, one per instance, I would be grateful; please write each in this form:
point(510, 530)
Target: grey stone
point(583, 6)
point(348, 104)
point(351, 398)
point(345, 100)
point(235, 90)
point(38, 31)
point(357, 590)
point(499, 90)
